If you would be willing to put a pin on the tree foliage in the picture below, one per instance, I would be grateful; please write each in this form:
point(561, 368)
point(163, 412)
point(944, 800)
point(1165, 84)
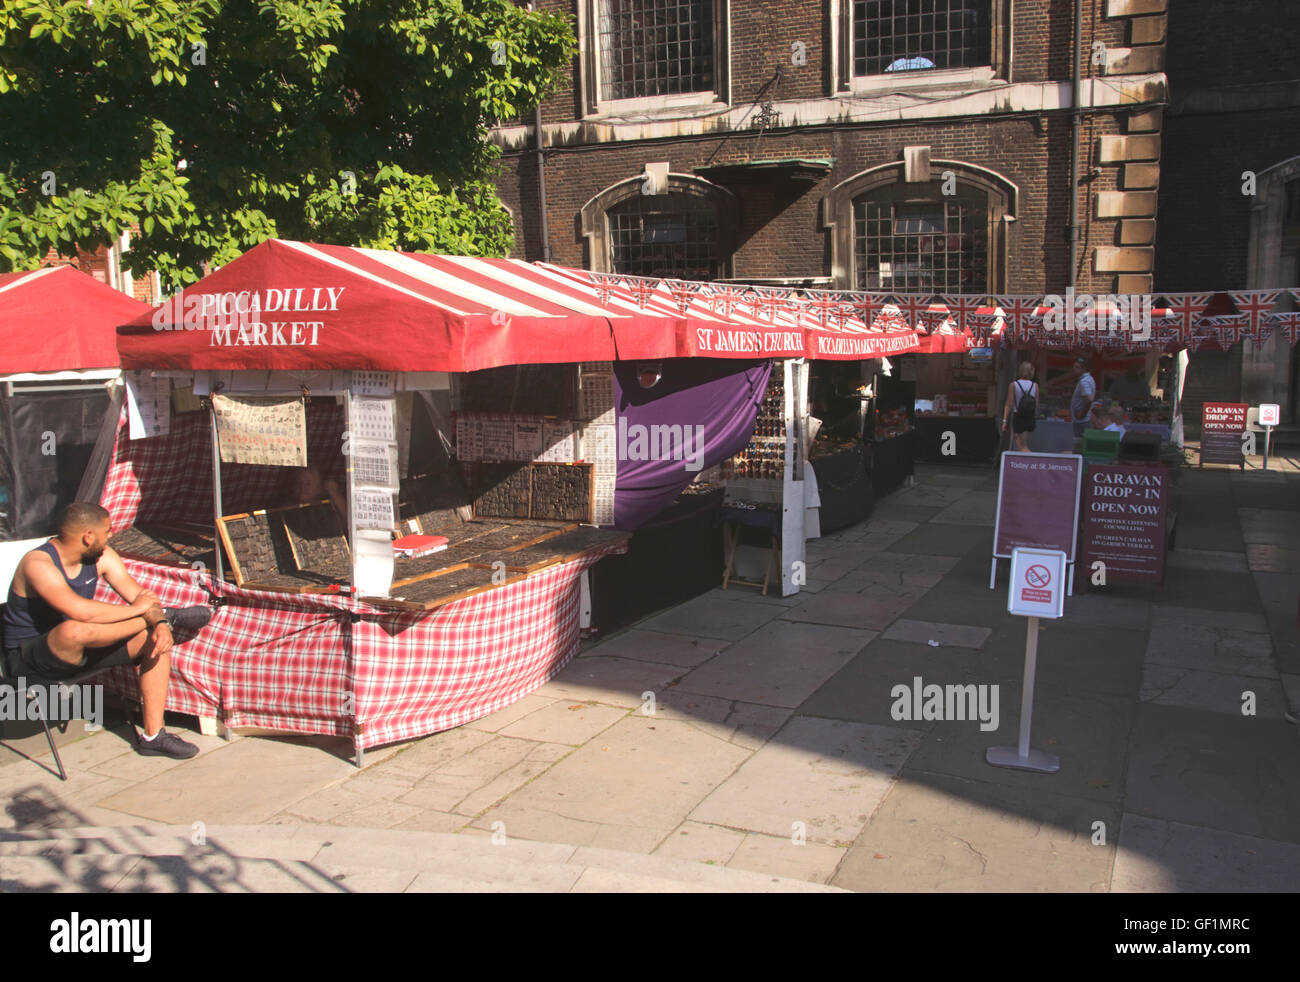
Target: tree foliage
point(214, 125)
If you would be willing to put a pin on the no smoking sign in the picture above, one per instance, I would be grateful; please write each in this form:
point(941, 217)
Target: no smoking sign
point(1037, 583)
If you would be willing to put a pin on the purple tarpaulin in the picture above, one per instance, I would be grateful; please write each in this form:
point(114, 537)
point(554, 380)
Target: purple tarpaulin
point(701, 412)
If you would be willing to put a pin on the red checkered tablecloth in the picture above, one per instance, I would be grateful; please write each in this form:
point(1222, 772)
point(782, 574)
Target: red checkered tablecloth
point(332, 665)
point(328, 664)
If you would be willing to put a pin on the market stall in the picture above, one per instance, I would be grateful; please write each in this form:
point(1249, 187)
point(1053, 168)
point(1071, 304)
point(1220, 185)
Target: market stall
point(58, 365)
point(569, 414)
point(396, 646)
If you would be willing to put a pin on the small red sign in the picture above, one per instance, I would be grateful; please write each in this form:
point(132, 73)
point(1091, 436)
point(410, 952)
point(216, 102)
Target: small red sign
point(1224, 417)
point(1028, 595)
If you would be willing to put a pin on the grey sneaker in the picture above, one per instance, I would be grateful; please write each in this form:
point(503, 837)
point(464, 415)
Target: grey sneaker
point(165, 745)
point(188, 619)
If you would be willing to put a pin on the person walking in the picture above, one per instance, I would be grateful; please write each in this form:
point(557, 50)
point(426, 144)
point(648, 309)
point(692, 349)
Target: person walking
point(1021, 409)
point(1085, 391)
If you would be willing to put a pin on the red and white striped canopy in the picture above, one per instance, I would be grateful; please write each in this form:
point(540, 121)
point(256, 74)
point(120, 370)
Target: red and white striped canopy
point(59, 319)
point(301, 306)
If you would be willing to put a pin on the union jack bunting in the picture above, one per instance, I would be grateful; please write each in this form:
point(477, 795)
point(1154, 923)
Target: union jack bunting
point(865, 305)
point(1225, 329)
point(1255, 305)
point(961, 308)
point(1016, 312)
point(642, 289)
point(728, 297)
point(821, 305)
point(770, 302)
point(1186, 309)
point(912, 306)
point(605, 284)
point(684, 292)
point(1287, 324)
point(984, 325)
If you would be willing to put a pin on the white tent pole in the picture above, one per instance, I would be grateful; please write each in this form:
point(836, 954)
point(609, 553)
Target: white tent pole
point(216, 489)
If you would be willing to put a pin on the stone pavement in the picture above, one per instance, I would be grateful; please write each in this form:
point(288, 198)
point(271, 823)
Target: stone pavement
point(748, 743)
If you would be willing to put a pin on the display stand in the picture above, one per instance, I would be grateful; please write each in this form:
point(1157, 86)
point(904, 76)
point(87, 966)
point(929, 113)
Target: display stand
point(770, 471)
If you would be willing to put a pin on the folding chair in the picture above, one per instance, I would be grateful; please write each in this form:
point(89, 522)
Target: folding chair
point(31, 684)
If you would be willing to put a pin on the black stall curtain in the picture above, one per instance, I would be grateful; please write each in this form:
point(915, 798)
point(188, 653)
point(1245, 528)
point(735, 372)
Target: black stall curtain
point(48, 439)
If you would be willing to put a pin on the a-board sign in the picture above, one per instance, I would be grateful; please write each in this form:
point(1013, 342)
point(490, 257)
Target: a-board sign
point(1038, 503)
point(1270, 414)
point(1037, 583)
point(1222, 426)
point(1124, 514)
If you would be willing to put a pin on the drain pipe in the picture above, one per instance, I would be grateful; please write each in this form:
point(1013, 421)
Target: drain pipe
point(1074, 153)
point(541, 185)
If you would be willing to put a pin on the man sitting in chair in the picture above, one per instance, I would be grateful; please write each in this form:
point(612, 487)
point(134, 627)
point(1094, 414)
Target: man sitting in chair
point(54, 629)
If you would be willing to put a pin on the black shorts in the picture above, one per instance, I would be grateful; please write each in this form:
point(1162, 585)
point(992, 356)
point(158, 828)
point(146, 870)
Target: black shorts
point(34, 659)
point(1027, 426)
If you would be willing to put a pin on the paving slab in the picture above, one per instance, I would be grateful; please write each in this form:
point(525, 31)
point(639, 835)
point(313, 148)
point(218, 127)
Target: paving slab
point(815, 862)
point(1169, 617)
point(488, 760)
point(1272, 558)
point(777, 666)
point(710, 617)
point(934, 539)
point(937, 833)
point(377, 815)
point(1102, 607)
point(243, 782)
point(1087, 730)
point(1207, 560)
point(905, 513)
point(1279, 595)
point(422, 757)
point(495, 722)
point(1219, 591)
point(1160, 856)
point(428, 820)
point(664, 649)
point(701, 843)
point(1267, 526)
point(822, 778)
point(974, 508)
point(950, 635)
point(500, 786)
point(1213, 692)
point(874, 607)
point(631, 777)
point(1074, 656)
point(1226, 650)
point(608, 680)
point(1216, 770)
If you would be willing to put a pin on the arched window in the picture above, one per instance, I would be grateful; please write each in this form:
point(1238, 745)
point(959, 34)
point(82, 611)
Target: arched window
point(945, 235)
point(908, 239)
point(684, 233)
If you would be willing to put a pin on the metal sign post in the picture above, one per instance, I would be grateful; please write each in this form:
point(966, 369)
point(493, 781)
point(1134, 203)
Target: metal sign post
point(1037, 590)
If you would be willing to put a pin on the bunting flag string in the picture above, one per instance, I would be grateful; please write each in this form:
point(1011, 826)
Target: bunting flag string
point(1131, 322)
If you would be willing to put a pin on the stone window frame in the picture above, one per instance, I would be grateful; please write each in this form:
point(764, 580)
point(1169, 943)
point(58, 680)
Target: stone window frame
point(837, 213)
point(844, 83)
point(588, 81)
point(594, 217)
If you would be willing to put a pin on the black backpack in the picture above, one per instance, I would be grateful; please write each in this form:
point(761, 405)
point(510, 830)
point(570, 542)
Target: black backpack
point(1026, 407)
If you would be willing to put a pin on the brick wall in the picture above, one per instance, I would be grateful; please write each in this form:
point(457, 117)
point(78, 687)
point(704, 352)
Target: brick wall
point(779, 223)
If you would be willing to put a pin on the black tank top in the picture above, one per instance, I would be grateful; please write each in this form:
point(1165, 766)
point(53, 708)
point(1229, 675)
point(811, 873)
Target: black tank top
point(30, 616)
